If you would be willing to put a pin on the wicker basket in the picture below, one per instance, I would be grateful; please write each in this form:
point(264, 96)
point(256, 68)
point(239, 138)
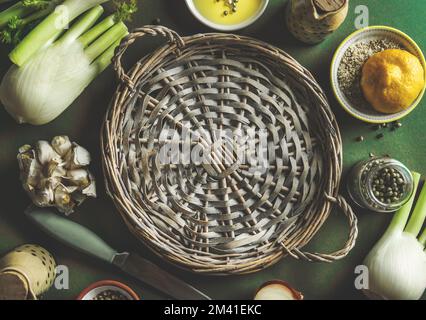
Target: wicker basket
point(222, 215)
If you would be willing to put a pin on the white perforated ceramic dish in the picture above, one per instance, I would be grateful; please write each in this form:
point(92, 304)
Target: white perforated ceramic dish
point(364, 35)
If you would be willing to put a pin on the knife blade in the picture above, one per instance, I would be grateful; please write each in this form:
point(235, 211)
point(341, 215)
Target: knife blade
point(146, 271)
point(86, 241)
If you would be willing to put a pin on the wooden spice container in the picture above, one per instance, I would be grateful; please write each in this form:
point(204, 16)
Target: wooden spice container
point(311, 21)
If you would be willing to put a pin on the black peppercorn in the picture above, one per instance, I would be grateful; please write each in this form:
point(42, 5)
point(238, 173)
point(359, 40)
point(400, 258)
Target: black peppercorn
point(110, 295)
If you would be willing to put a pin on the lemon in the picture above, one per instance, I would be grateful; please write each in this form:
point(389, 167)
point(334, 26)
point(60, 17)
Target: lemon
point(392, 80)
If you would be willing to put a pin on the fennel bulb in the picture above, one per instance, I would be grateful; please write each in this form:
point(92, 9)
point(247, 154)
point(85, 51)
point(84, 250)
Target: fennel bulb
point(397, 263)
point(52, 67)
point(42, 89)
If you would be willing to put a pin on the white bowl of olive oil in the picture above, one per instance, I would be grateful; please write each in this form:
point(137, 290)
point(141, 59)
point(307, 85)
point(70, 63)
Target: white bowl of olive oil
point(227, 15)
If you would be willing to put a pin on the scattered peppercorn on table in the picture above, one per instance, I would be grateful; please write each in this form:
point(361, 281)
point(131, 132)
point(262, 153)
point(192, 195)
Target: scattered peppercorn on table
point(82, 121)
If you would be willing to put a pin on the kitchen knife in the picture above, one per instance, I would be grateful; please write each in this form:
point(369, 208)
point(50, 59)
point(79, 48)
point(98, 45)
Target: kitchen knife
point(84, 240)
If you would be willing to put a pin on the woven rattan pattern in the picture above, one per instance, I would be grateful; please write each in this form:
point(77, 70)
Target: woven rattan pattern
point(226, 215)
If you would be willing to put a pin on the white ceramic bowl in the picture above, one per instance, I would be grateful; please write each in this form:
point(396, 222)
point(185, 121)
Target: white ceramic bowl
point(223, 27)
point(367, 34)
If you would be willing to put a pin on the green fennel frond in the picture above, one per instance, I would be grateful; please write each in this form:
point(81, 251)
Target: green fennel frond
point(18, 35)
point(12, 32)
point(14, 23)
point(6, 37)
point(125, 10)
point(37, 4)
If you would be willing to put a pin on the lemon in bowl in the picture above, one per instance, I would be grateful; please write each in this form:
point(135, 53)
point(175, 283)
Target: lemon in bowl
point(392, 80)
point(361, 108)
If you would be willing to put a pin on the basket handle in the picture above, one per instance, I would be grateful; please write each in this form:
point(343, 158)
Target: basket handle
point(350, 243)
point(172, 38)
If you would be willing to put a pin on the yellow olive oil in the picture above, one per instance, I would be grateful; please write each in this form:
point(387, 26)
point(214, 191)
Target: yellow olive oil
point(218, 11)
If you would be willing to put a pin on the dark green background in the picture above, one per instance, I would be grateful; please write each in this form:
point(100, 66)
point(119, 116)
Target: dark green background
point(82, 123)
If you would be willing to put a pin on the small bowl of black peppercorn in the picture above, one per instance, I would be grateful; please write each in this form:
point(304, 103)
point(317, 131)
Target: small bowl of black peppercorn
point(108, 290)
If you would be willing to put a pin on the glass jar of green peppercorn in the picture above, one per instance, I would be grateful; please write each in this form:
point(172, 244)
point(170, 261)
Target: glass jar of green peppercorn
point(380, 184)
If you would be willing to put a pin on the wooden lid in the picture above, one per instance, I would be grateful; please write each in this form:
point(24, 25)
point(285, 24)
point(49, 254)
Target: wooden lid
point(13, 286)
point(329, 5)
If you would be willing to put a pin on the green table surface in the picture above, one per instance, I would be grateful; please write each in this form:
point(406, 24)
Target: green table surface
point(82, 122)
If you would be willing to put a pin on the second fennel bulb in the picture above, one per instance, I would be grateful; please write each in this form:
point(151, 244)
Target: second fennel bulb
point(397, 263)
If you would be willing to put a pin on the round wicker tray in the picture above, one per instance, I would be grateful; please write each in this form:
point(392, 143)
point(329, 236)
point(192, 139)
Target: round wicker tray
point(227, 211)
